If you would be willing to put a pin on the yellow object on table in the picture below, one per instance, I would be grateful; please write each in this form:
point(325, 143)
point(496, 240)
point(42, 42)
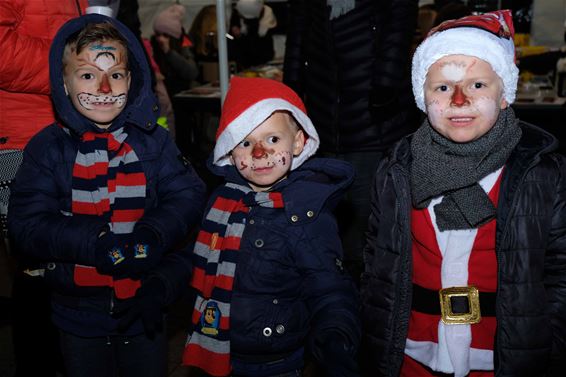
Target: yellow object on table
point(522, 39)
point(531, 50)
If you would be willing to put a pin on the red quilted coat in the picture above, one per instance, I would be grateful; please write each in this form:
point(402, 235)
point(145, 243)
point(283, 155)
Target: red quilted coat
point(26, 30)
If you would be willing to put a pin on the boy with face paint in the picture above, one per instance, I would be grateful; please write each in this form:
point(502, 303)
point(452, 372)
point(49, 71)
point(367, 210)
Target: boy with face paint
point(100, 200)
point(97, 80)
point(268, 258)
point(465, 269)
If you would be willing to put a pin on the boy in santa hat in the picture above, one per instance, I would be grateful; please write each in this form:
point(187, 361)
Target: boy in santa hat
point(465, 261)
point(268, 259)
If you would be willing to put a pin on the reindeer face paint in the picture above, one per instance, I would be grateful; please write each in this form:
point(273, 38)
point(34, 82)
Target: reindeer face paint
point(264, 157)
point(463, 97)
point(97, 81)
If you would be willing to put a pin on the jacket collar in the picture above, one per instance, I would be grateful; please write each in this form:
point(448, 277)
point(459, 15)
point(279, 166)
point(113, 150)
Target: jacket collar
point(534, 142)
point(317, 183)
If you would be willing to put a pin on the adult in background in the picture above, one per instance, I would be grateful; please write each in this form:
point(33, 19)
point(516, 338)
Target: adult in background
point(26, 30)
point(349, 60)
point(251, 24)
point(171, 50)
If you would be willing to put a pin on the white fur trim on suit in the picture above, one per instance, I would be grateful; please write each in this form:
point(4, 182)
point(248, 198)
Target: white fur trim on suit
point(256, 114)
point(498, 52)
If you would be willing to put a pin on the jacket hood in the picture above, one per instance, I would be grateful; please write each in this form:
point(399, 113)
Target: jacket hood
point(317, 183)
point(142, 107)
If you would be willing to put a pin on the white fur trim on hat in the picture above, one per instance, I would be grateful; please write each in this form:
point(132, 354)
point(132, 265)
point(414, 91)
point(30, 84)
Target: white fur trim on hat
point(498, 52)
point(255, 115)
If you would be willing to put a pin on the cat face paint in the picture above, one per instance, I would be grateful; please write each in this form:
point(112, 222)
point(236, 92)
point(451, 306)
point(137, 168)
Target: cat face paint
point(264, 157)
point(97, 81)
point(463, 97)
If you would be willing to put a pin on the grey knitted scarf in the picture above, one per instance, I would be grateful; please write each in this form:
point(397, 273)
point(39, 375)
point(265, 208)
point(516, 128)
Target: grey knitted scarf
point(443, 167)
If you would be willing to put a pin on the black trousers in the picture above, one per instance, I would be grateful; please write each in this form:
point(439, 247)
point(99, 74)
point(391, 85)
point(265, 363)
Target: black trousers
point(35, 338)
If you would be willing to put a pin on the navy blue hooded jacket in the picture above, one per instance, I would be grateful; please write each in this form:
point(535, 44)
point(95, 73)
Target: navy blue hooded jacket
point(40, 219)
point(289, 286)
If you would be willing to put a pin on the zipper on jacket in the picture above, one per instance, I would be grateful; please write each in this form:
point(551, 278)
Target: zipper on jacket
point(111, 311)
point(403, 322)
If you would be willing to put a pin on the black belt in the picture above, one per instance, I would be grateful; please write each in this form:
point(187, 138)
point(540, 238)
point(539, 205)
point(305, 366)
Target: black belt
point(427, 301)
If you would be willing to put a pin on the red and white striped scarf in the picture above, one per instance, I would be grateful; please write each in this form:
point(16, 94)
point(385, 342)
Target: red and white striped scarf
point(216, 257)
point(108, 182)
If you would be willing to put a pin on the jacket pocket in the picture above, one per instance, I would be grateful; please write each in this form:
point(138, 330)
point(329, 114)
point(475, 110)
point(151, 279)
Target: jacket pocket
point(290, 323)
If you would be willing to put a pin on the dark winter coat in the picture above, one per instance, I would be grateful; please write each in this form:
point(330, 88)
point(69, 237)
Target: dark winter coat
point(530, 338)
point(40, 219)
point(289, 276)
point(352, 71)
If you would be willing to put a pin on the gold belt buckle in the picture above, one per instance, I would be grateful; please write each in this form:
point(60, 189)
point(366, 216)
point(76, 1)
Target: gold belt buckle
point(451, 318)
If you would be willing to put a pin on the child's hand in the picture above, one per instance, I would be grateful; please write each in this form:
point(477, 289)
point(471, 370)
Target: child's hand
point(164, 42)
point(130, 255)
point(110, 251)
point(147, 304)
point(144, 252)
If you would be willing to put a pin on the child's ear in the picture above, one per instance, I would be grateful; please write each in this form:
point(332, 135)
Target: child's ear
point(129, 79)
point(65, 87)
point(231, 159)
point(298, 143)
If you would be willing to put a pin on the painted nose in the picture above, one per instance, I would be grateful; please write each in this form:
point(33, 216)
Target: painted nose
point(258, 151)
point(459, 98)
point(105, 85)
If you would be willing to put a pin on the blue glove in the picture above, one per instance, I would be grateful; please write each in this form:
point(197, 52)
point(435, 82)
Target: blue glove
point(334, 353)
point(147, 304)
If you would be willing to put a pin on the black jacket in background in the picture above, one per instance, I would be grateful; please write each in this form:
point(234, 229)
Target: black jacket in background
point(353, 72)
point(530, 339)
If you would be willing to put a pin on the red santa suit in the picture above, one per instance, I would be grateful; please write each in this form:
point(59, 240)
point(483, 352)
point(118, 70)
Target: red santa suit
point(453, 258)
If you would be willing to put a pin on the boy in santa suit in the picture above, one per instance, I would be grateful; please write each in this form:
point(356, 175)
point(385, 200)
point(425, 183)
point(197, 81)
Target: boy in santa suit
point(268, 258)
point(465, 261)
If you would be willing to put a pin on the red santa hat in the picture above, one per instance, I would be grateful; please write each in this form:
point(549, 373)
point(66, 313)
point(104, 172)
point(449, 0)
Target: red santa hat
point(249, 102)
point(488, 36)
